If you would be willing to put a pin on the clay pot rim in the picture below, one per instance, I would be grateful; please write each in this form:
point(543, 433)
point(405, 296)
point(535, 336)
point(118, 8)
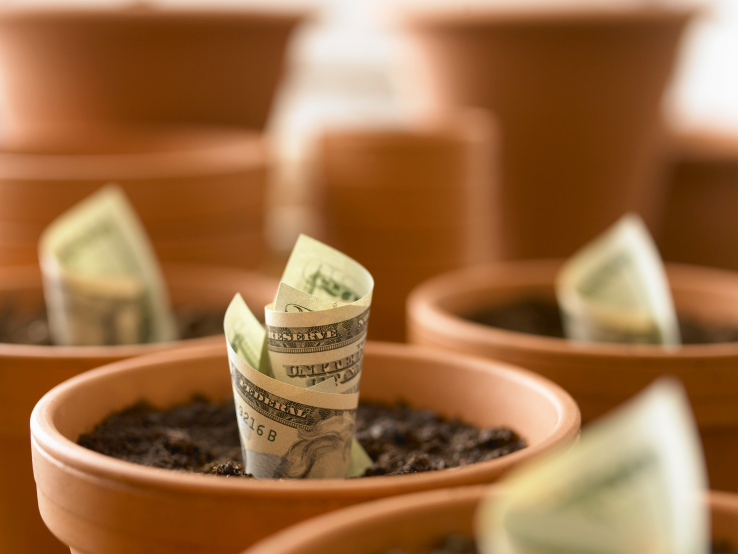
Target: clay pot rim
point(423, 305)
point(260, 14)
point(703, 143)
point(427, 19)
point(398, 506)
point(368, 512)
point(220, 150)
point(50, 442)
point(468, 124)
point(108, 354)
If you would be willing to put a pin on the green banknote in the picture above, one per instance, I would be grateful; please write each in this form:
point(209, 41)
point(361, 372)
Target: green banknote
point(615, 289)
point(296, 383)
point(102, 281)
point(634, 483)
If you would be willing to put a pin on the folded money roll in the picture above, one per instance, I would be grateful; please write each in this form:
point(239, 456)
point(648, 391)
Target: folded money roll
point(296, 384)
point(102, 281)
point(635, 483)
point(615, 289)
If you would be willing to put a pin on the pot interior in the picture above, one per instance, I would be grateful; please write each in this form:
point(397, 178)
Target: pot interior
point(700, 294)
point(189, 286)
point(478, 392)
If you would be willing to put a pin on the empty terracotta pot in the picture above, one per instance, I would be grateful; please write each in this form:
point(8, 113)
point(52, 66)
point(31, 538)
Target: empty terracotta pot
point(410, 203)
point(141, 63)
point(101, 505)
point(28, 372)
point(700, 226)
point(577, 93)
point(599, 376)
point(415, 523)
point(198, 190)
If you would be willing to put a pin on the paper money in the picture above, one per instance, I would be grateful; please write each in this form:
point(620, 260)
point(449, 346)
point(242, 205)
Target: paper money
point(316, 328)
point(286, 431)
point(102, 282)
point(296, 383)
point(615, 289)
point(634, 483)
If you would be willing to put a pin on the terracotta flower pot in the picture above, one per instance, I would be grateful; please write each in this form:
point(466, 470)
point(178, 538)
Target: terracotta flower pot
point(198, 190)
point(598, 376)
point(28, 372)
point(410, 203)
point(700, 225)
point(416, 522)
point(101, 505)
point(577, 93)
point(141, 63)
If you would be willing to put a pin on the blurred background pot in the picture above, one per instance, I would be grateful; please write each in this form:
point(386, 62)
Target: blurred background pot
point(416, 523)
point(577, 93)
point(141, 64)
point(101, 505)
point(27, 372)
point(700, 224)
point(198, 190)
point(411, 203)
point(599, 376)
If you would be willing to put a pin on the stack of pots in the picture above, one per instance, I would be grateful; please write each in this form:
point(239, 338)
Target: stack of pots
point(599, 376)
point(198, 190)
point(700, 224)
point(410, 204)
point(168, 102)
point(577, 93)
point(27, 372)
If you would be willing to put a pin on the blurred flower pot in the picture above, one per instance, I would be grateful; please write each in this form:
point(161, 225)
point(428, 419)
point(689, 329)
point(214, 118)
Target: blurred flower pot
point(198, 190)
point(411, 203)
point(27, 372)
point(599, 376)
point(415, 523)
point(577, 93)
point(700, 225)
point(142, 64)
point(98, 504)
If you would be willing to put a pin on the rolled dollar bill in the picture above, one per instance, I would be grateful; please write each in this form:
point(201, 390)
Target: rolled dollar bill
point(296, 383)
point(634, 483)
point(316, 328)
point(102, 281)
point(615, 289)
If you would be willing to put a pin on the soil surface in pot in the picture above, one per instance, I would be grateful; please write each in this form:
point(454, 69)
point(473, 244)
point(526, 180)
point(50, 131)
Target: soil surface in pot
point(453, 543)
point(202, 437)
point(457, 543)
point(541, 316)
point(20, 327)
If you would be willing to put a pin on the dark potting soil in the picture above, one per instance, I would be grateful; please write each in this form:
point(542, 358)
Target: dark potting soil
point(19, 327)
point(452, 543)
point(457, 543)
point(202, 437)
point(541, 316)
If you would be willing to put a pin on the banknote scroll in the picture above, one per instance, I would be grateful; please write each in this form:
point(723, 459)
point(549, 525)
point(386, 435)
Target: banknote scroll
point(102, 281)
point(635, 483)
point(615, 289)
point(296, 383)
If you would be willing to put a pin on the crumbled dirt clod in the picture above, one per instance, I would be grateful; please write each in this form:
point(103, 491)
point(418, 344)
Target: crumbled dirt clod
point(202, 437)
point(404, 440)
point(541, 316)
